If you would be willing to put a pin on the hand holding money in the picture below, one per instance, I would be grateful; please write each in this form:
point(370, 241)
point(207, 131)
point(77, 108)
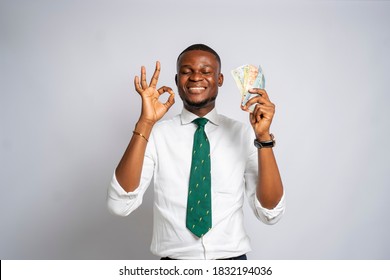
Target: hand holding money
point(262, 115)
point(254, 99)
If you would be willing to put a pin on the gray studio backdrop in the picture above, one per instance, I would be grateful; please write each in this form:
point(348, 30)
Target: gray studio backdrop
point(68, 109)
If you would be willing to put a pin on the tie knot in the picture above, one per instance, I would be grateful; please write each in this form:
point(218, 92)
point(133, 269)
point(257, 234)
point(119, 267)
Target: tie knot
point(200, 122)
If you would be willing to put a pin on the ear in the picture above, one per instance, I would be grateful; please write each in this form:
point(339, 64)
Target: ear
point(176, 79)
point(220, 79)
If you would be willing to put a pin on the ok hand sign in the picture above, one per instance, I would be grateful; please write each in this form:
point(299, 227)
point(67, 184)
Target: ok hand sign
point(152, 109)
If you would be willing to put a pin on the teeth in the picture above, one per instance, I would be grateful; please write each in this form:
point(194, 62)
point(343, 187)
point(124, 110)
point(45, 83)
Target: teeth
point(197, 88)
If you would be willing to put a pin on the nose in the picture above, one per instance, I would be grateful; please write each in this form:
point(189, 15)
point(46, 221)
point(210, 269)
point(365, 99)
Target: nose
point(196, 76)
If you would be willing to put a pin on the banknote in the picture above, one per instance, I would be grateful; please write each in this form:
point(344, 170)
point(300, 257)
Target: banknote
point(248, 76)
point(238, 77)
point(255, 80)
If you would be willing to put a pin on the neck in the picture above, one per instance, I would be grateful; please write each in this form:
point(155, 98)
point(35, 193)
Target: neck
point(200, 112)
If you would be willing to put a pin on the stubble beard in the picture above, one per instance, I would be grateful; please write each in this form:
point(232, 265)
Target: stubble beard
point(200, 104)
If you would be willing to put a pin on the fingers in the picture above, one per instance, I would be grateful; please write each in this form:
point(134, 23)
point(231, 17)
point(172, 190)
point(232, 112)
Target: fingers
point(261, 98)
point(260, 91)
point(264, 109)
point(156, 74)
point(252, 118)
point(143, 77)
point(140, 87)
point(137, 85)
point(256, 100)
point(144, 85)
point(171, 98)
point(263, 112)
point(163, 89)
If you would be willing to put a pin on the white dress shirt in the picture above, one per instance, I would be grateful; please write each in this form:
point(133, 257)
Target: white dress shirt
point(234, 168)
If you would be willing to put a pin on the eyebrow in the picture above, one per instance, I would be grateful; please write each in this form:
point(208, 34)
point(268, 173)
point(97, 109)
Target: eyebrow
point(202, 66)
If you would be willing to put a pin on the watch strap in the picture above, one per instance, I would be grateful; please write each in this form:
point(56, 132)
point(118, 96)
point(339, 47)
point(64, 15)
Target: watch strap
point(265, 144)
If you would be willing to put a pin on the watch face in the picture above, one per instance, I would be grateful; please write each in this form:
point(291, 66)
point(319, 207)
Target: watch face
point(257, 144)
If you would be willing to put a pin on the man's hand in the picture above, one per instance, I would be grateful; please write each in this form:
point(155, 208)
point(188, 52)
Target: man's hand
point(152, 109)
point(262, 115)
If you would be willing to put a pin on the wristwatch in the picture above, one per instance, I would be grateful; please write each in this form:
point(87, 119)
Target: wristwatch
point(265, 144)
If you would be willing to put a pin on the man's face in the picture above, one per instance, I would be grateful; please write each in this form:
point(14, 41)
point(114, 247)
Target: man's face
point(198, 79)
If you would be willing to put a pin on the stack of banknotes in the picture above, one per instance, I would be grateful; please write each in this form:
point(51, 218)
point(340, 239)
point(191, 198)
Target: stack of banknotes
point(246, 77)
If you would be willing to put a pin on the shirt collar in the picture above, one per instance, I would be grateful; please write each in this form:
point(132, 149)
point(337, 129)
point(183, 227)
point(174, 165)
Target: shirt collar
point(187, 117)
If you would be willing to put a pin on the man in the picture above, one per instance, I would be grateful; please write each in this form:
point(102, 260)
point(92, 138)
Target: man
point(167, 152)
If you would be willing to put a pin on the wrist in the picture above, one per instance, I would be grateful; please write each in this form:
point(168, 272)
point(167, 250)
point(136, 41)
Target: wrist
point(264, 137)
point(265, 143)
point(144, 127)
point(145, 123)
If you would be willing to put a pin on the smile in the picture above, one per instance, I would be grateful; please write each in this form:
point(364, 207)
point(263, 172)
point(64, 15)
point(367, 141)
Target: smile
point(196, 89)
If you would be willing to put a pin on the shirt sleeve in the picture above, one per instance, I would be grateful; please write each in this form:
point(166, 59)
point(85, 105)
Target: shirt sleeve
point(122, 203)
point(267, 216)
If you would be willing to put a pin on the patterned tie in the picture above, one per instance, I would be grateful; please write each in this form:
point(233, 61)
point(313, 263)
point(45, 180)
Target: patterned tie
point(199, 192)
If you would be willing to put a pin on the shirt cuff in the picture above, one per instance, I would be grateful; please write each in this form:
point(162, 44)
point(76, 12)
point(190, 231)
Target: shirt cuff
point(119, 201)
point(271, 216)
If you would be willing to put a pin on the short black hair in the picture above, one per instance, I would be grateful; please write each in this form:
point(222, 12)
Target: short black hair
point(201, 47)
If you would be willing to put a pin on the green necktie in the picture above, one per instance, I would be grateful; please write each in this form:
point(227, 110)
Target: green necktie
point(199, 192)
